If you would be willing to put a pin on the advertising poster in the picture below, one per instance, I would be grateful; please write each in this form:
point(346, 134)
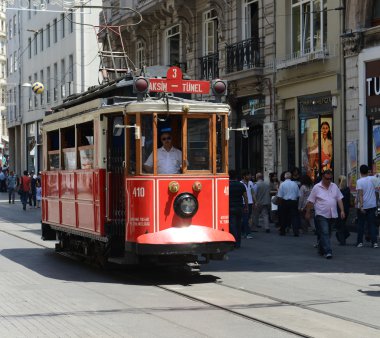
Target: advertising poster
point(376, 149)
point(352, 171)
point(317, 145)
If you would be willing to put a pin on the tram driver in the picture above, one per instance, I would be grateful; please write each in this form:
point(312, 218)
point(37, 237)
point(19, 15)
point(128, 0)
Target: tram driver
point(169, 158)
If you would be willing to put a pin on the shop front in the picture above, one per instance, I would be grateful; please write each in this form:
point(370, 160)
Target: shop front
point(373, 113)
point(252, 142)
point(315, 114)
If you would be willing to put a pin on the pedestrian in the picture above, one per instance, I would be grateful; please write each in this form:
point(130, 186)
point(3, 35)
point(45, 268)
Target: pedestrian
point(2, 181)
point(38, 193)
point(342, 233)
point(246, 180)
point(288, 195)
point(296, 176)
point(305, 190)
point(273, 184)
point(24, 189)
point(262, 202)
point(238, 193)
point(12, 186)
point(32, 194)
point(365, 187)
point(324, 196)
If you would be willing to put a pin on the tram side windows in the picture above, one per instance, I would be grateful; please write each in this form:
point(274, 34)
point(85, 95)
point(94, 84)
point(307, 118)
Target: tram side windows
point(85, 139)
point(198, 144)
point(68, 148)
point(54, 159)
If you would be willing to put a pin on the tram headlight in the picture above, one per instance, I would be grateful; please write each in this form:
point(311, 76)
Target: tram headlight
point(185, 205)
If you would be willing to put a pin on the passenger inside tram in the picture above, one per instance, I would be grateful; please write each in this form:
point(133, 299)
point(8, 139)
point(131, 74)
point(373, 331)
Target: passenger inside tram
point(169, 158)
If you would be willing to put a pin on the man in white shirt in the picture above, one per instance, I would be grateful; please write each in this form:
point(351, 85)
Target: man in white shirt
point(367, 205)
point(169, 159)
point(248, 184)
point(288, 193)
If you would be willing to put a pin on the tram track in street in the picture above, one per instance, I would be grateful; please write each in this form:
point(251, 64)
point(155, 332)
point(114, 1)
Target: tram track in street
point(143, 278)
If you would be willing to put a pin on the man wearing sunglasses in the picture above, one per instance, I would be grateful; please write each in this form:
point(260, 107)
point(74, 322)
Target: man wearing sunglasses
point(324, 196)
point(169, 158)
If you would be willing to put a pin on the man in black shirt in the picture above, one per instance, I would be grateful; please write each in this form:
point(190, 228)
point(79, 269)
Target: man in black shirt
point(238, 193)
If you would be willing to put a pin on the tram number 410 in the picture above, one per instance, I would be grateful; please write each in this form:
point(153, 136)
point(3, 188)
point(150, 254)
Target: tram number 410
point(138, 192)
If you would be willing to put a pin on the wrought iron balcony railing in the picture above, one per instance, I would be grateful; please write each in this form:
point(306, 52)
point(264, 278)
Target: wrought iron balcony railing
point(209, 66)
point(244, 55)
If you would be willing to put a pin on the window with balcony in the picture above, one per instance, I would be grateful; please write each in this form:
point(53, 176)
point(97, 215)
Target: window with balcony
point(210, 32)
point(173, 43)
point(250, 19)
point(309, 25)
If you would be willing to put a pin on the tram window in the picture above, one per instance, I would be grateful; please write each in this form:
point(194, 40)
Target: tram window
point(146, 140)
point(85, 137)
point(220, 145)
point(68, 148)
point(53, 150)
point(198, 144)
point(131, 146)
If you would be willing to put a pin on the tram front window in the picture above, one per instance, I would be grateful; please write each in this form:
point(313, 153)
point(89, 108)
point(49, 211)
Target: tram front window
point(198, 144)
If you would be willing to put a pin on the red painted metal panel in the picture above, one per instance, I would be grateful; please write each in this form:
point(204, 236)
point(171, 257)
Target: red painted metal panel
point(51, 184)
point(68, 213)
point(67, 184)
point(86, 219)
point(85, 182)
point(222, 203)
point(167, 217)
point(139, 207)
point(53, 211)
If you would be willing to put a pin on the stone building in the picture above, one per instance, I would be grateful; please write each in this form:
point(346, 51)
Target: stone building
point(361, 43)
point(4, 141)
point(309, 75)
point(51, 45)
point(228, 39)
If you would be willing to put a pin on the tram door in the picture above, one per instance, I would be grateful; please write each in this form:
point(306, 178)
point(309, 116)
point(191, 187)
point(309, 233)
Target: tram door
point(115, 175)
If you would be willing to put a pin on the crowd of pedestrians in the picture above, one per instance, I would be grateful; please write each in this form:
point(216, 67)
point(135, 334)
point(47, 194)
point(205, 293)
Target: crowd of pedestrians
point(297, 205)
point(27, 186)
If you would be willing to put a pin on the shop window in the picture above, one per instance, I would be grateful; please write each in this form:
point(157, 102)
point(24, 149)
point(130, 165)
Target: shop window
point(85, 137)
point(316, 145)
point(53, 150)
point(68, 148)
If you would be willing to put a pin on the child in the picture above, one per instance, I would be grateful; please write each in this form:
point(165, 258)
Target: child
point(38, 193)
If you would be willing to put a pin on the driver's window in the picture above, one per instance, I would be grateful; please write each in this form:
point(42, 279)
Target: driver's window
point(198, 144)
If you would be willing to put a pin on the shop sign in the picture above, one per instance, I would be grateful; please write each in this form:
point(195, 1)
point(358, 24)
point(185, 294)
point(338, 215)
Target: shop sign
point(373, 87)
point(315, 104)
point(254, 106)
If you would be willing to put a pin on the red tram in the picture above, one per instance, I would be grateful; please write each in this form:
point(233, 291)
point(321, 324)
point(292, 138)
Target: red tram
point(106, 196)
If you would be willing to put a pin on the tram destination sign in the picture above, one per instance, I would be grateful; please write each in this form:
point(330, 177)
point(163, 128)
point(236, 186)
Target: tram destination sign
point(175, 84)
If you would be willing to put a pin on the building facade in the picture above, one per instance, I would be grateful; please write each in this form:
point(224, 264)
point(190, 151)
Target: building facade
point(4, 141)
point(232, 40)
point(361, 42)
point(56, 47)
point(309, 77)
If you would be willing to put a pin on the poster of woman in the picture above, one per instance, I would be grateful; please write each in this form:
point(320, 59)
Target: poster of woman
point(317, 145)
